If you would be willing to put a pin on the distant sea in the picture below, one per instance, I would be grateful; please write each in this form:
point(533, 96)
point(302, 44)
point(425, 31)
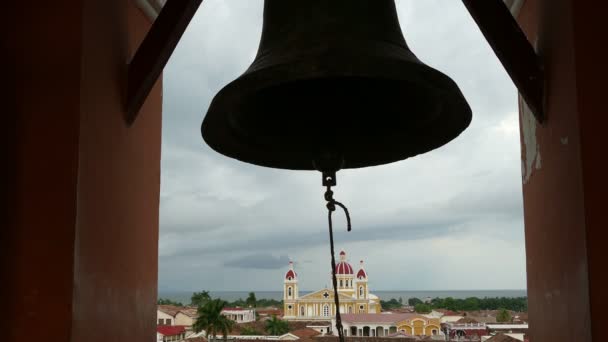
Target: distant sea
point(230, 296)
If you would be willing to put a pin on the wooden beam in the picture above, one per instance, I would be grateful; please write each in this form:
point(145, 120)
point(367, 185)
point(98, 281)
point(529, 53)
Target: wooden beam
point(155, 50)
point(512, 48)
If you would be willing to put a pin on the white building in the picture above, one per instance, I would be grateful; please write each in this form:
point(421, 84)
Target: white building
point(165, 314)
point(239, 315)
point(186, 317)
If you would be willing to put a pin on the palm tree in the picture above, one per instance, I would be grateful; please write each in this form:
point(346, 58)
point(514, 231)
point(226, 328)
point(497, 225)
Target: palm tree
point(251, 300)
point(276, 327)
point(211, 320)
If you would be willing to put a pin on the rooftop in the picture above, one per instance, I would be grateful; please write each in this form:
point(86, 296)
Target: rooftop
point(170, 330)
point(169, 309)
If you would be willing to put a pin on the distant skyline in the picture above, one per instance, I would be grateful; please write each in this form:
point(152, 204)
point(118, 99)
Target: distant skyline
point(448, 219)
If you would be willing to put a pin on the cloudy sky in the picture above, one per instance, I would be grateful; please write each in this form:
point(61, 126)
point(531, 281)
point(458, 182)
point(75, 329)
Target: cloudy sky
point(448, 219)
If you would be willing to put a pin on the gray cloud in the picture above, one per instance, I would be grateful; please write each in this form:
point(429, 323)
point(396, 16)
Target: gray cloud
point(258, 261)
point(218, 214)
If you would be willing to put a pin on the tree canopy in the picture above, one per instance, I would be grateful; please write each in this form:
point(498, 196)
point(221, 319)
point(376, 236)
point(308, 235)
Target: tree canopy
point(200, 298)
point(165, 301)
point(250, 331)
point(251, 301)
point(413, 301)
point(422, 308)
point(519, 304)
point(503, 316)
point(276, 326)
point(211, 320)
point(390, 304)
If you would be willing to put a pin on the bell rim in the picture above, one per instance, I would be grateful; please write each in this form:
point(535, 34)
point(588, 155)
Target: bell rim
point(255, 80)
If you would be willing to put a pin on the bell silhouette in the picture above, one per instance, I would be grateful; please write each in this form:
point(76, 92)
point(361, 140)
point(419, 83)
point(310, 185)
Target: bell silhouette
point(334, 83)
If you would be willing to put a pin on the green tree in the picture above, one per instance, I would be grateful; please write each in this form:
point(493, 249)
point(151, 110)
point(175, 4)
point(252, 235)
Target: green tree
point(211, 320)
point(470, 304)
point(249, 331)
point(413, 301)
point(251, 301)
point(422, 308)
point(200, 298)
point(391, 304)
point(276, 327)
point(166, 301)
point(503, 316)
point(401, 301)
point(450, 304)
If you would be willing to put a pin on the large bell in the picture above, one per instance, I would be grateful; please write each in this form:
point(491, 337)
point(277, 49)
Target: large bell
point(334, 79)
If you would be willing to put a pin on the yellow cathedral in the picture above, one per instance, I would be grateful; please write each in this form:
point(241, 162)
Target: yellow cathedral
point(319, 305)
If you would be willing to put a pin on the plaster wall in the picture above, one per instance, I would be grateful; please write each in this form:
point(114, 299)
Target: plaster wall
point(564, 174)
point(80, 231)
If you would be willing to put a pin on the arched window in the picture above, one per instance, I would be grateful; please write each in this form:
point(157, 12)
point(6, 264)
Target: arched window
point(341, 285)
point(302, 311)
point(289, 291)
point(434, 331)
point(360, 291)
point(350, 309)
point(326, 310)
point(288, 278)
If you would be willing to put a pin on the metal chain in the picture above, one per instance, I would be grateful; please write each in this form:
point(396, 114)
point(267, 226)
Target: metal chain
point(331, 207)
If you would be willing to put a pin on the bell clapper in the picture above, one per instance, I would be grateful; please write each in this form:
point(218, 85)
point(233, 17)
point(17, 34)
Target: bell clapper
point(329, 180)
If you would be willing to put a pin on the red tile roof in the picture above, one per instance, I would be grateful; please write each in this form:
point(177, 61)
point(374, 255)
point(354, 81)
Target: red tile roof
point(234, 309)
point(306, 332)
point(190, 312)
point(171, 310)
point(502, 338)
point(170, 330)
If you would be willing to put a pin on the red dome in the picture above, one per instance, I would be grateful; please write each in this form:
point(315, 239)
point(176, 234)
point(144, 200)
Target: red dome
point(344, 268)
point(290, 274)
point(361, 274)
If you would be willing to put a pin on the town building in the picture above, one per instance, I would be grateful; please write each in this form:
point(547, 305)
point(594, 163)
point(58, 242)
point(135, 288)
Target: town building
point(165, 314)
point(186, 317)
point(239, 315)
point(499, 328)
point(168, 333)
point(353, 290)
point(385, 325)
point(457, 330)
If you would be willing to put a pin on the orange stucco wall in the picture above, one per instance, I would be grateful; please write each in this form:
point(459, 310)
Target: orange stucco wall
point(564, 175)
point(80, 233)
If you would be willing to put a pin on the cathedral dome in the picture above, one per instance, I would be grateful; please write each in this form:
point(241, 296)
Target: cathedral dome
point(343, 267)
point(291, 274)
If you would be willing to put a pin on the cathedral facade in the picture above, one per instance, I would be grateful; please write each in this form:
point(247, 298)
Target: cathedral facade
point(353, 290)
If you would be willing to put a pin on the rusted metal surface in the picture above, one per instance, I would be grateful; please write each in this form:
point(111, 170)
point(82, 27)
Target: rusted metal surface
point(513, 50)
point(154, 52)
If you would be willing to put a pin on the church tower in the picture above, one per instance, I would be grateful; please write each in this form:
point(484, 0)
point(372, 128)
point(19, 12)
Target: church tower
point(361, 283)
point(290, 291)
